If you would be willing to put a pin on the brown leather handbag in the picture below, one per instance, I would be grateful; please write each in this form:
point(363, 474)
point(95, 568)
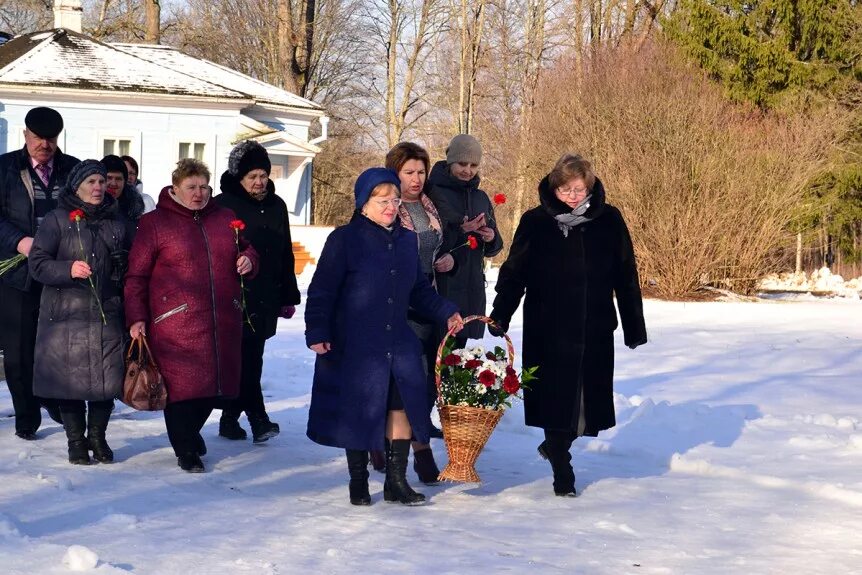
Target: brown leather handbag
point(143, 388)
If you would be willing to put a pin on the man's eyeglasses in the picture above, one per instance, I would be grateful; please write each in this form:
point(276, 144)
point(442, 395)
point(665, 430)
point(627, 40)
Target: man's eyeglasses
point(383, 204)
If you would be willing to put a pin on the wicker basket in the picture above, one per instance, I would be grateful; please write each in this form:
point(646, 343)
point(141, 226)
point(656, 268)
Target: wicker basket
point(465, 429)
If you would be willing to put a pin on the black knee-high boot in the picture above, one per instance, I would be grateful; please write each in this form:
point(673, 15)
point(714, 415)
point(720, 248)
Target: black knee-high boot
point(99, 412)
point(555, 449)
point(74, 421)
point(395, 487)
point(357, 465)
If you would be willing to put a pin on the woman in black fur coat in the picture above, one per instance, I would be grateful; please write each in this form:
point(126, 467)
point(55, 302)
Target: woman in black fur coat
point(570, 256)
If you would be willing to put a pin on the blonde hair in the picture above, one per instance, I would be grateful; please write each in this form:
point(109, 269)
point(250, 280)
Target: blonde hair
point(383, 189)
point(570, 167)
point(187, 168)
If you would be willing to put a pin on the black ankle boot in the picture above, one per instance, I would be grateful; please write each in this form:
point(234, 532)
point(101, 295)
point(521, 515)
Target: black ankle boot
point(229, 428)
point(425, 467)
point(75, 425)
point(395, 488)
point(357, 465)
point(191, 462)
point(97, 424)
point(262, 429)
point(556, 451)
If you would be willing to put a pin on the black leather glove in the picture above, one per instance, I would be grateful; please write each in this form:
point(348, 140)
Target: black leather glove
point(635, 344)
point(498, 328)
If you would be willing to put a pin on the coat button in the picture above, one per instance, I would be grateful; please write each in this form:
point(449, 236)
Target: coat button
point(164, 298)
point(390, 300)
point(388, 327)
point(389, 354)
point(392, 271)
point(389, 246)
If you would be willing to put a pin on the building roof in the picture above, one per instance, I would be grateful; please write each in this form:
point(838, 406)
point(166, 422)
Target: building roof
point(177, 61)
point(62, 58)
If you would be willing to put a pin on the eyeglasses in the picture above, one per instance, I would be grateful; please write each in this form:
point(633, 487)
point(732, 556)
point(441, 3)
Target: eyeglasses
point(571, 191)
point(383, 204)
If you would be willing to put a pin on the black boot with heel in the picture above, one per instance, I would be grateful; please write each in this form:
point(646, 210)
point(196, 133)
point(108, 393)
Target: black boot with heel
point(357, 466)
point(74, 421)
point(97, 423)
point(396, 488)
point(555, 449)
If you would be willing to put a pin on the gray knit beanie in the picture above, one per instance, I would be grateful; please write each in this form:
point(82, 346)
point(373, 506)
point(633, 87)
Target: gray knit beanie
point(83, 170)
point(464, 148)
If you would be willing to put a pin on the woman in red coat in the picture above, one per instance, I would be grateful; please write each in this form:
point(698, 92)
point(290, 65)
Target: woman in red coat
point(183, 291)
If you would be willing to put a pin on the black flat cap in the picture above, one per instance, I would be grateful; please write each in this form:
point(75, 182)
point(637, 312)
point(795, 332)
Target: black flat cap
point(44, 122)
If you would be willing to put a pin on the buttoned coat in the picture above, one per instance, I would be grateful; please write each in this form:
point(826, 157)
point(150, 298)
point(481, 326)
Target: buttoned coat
point(569, 316)
point(366, 279)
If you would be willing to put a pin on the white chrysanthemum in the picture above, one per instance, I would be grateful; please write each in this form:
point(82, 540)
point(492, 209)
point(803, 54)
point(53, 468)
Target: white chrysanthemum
point(478, 351)
point(481, 389)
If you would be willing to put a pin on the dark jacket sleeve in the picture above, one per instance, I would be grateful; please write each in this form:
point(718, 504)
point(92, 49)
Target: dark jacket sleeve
point(427, 302)
point(289, 290)
point(10, 234)
point(44, 265)
point(325, 289)
point(628, 291)
point(495, 246)
point(512, 280)
point(142, 260)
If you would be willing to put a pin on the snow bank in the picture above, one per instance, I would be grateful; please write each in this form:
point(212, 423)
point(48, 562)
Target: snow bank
point(821, 281)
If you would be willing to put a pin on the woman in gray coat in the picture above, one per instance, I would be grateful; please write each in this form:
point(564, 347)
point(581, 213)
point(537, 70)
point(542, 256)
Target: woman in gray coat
point(80, 331)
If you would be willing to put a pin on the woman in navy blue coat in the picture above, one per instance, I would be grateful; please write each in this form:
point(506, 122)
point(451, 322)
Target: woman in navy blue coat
point(369, 380)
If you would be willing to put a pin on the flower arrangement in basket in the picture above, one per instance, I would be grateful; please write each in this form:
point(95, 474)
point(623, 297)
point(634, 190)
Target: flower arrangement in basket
point(474, 387)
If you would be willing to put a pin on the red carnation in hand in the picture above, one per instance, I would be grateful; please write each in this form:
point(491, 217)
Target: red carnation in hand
point(472, 363)
point(472, 242)
point(237, 225)
point(499, 199)
point(76, 215)
point(487, 378)
point(452, 360)
point(511, 384)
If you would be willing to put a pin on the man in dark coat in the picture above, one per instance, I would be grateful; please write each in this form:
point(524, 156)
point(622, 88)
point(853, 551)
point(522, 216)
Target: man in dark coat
point(466, 212)
point(571, 258)
point(130, 202)
point(30, 183)
point(272, 293)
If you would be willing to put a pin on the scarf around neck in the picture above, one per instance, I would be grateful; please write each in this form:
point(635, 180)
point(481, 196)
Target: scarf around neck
point(568, 220)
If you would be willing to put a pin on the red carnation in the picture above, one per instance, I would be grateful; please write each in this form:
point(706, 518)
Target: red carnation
point(452, 360)
point(499, 199)
point(472, 242)
point(511, 370)
point(490, 355)
point(76, 215)
point(472, 363)
point(511, 384)
point(487, 378)
point(237, 225)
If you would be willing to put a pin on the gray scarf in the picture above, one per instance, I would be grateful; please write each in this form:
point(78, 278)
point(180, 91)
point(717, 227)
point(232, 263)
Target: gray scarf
point(568, 220)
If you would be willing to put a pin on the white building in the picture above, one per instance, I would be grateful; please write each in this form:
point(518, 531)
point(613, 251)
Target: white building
point(155, 104)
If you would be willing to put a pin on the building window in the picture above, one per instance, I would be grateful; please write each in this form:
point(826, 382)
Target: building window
point(116, 146)
point(192, 150)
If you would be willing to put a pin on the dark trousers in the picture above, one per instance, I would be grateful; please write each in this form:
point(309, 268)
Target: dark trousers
point(19, 315)
point(250, 398)
point(80, 407)
point(184, 421)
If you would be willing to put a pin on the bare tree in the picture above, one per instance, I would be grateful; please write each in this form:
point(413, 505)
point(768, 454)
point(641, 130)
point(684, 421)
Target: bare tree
point(153, 11)
point(22, 16)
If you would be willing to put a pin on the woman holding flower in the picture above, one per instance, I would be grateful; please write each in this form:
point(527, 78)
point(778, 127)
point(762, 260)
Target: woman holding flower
point(469, 229)
point(183, 291)
point(570, 256)
point(79, 255)
point(369, 381)
point(248, 191)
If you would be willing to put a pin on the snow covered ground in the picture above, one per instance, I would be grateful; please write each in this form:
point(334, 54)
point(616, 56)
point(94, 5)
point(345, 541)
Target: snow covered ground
point(738, 449)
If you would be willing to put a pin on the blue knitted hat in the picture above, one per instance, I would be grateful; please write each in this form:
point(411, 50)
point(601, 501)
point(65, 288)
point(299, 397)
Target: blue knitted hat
point(370, 179)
